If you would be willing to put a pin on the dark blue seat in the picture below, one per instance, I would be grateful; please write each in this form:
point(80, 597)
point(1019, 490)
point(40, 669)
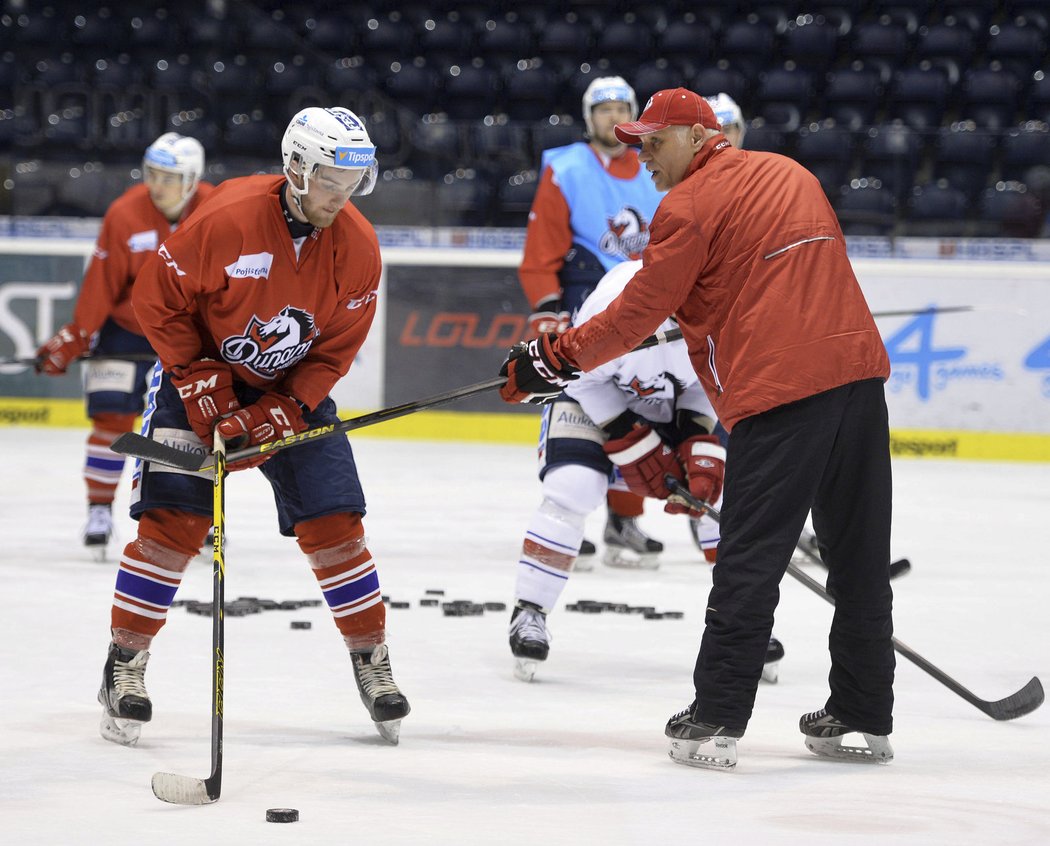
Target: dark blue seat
point(514, 196)
point(685, 40)
point(1019, 47)
point(623, 42)
point(234, 83)
point(470, 91)
point(722, 78)
point(747, 45)
point(789, 85)
point(530, 93)
point(1009, 210)
point(811, 43)
point(504, 40)
point(946, 41)
point(331, 34)
point(114, 73)
point(546, 135)
point(936, 209)
point(348, 78)
point(890, 153)
point(918, 97)
point(852, 95)
point(989, 97)
point(501, 146)
point(881, 39)
point(251, 135)
point(90, 33)
point(437, 146)
point(413, 85)
point(446, 40)
point(1037, 104)
point(766, 139)
point(463, 198)
point(962, 157)
point(386, 39)
point(826, 150)
point(563, 42)
point(656, 76)
point(271, 39)
point(1024, 147)
point(284, 77)
point(864, 208)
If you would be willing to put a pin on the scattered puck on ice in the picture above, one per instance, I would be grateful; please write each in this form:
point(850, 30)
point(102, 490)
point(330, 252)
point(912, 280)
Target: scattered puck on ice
point(495, 606)
point(301, 624)
point(428, 603)
point(673, 615)
point(385, 598)
point(653, 615)
point(400, 605)
point(282, 815)
point(435, 592)
point(290, 605)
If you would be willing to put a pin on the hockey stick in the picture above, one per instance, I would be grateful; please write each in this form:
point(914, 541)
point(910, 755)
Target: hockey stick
point(187, 790)
point(31, 362)
point(139, 446)
point(807, 545)
point(1024, 701)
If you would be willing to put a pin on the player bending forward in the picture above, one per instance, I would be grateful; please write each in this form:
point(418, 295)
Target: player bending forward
point(257, 307)
point(656, 420)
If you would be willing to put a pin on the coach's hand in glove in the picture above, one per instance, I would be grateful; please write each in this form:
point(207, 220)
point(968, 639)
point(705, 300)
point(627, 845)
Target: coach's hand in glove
point(535, 372)
point(643, 457)
point(704, 459)
point(549, 316)
point(270, 417)
point(67, 345)
point(206, 388)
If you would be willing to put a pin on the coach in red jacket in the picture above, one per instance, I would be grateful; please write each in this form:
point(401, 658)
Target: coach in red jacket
point(746, 252)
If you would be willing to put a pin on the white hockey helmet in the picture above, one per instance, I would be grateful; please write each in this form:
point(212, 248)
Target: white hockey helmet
point(606, 89)
point(180, 154)
point(335, 137)
point(727, 112)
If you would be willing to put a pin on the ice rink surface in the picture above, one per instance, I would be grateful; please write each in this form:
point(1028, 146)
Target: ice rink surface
point(579, 755)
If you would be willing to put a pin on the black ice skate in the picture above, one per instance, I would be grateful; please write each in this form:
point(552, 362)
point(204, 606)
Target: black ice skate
point(824, 735)
point(99, 529)
point(123, 696)
point(385, 702)
point(585, 557)
point(771, 667)
point(627, 546)
point(529, 638)
point(698, 744)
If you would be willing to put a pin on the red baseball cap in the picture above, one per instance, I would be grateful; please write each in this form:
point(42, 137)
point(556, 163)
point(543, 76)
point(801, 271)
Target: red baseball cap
point(670, 107)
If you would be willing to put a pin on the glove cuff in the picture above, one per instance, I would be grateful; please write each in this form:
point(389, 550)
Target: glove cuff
point(705, 447)
point(643, 446)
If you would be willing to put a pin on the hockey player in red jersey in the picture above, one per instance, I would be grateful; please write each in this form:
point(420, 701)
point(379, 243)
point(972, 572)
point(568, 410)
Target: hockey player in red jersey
point(591, 211)
point(256, 308)
point(104, 323)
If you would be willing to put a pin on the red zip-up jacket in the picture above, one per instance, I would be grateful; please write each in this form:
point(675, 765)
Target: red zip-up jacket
point(748, 255)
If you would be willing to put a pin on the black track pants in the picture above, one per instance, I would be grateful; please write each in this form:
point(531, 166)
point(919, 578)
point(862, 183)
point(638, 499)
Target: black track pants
point(828, 453)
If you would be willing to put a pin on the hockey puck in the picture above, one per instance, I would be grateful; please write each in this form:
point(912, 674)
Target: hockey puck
point(428, 603)
point(400, 605)
point(301, 624)
point(282, 815)
point(435, 592)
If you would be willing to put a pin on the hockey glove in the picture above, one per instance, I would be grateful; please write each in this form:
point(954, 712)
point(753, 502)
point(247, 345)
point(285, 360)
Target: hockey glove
point(704, 459)
point(67, 345)
point(535, 372)
point(549, 316)
point(642, 456)
point(270, 417)
point(206, 388)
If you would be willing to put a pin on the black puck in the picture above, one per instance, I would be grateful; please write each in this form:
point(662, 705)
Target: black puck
point(435, 592)
point(428, 603)
point(301, 624)
point(400, 605)
point(282, 815)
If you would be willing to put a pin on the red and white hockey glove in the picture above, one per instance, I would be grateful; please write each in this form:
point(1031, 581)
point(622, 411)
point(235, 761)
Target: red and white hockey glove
point(535, 372)
point(548, 316)
point(270, 417)
point(704, 459)
point(67, 345)
point(644, 459)
point(206, 389)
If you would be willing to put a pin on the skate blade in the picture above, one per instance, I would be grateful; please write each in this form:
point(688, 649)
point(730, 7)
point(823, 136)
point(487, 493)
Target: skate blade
point(584, 564)
point(389, 730)
point(878, 750)
point(622, 559)
point(711, 753)
point(97, 551)
point(525, 668)
point(119, 730)
point(771, 672)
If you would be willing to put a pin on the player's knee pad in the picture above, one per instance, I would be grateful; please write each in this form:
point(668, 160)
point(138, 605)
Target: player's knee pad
point(179, 532)
point(332, 539)
point(574, 489)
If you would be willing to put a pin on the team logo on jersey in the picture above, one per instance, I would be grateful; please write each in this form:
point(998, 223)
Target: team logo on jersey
point(269, 346)
point(143, 242)
point(643, 390)
point(628, 234)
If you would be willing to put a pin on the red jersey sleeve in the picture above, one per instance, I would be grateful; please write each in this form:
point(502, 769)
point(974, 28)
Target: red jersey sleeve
point(107, 274)
point(548, 237)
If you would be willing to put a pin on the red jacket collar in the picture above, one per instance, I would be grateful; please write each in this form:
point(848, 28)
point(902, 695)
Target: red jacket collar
point(713, 146)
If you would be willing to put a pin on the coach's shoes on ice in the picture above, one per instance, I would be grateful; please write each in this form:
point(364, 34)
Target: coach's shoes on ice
point(125, 702)
point(699, 744)
point(825, 736)
point(385, 702)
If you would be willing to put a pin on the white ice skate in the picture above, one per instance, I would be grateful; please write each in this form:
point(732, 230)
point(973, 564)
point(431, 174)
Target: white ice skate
point(99, 529)
point(825, 737)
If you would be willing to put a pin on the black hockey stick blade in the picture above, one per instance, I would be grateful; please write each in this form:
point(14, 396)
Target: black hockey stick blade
point(138, 446)
point(1024, 701)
